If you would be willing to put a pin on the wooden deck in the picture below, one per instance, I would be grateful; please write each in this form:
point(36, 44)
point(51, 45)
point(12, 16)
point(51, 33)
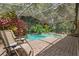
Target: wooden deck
point(67, 46)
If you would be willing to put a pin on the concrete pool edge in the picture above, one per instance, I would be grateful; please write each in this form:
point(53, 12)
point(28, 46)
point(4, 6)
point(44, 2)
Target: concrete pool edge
point(39, 45)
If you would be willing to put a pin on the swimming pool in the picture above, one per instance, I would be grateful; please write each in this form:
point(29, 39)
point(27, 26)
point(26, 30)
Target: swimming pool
point(31, 37)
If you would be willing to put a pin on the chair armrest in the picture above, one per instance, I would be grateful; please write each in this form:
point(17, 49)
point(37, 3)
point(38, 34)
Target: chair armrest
point(11, 45)
point(20, 39)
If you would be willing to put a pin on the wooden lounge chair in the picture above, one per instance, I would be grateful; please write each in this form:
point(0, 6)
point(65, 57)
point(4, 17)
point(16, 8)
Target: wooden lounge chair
point(12, 47)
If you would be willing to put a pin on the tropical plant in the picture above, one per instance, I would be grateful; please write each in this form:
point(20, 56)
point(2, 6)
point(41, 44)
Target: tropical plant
point(37, 28)
point(47, 28)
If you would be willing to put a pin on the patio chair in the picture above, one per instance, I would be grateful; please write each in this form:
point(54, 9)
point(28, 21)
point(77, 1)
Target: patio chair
point(12, 47)
point(19, 39)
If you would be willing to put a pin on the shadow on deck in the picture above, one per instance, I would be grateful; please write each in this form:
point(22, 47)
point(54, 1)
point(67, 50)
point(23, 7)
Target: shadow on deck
point(68, 46)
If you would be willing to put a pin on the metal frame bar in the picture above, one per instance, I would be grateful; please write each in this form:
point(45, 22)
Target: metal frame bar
point(24, 10)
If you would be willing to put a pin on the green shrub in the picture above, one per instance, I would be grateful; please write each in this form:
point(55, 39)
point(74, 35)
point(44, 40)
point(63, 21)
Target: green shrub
point(38, 28)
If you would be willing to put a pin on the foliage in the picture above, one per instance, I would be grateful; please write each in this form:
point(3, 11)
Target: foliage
point(39, 28)
point(62, 15)
point(8, 15)
point(19, 27)
point(65, 27)
point(10, 21)
point(47, 28)
point(62, 27)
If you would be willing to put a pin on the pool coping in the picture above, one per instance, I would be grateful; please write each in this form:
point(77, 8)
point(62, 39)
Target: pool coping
point(43, 44)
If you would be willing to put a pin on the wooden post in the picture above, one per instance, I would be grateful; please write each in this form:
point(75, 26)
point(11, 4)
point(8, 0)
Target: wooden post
point(77, 18)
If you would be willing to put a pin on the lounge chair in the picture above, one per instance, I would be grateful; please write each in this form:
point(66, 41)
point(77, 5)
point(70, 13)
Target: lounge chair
point(12, 47)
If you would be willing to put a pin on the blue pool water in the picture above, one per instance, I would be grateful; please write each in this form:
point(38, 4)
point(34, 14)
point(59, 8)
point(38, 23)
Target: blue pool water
point(31, 37)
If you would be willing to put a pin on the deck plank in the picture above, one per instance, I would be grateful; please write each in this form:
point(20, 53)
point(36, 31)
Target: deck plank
point(65, 47)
